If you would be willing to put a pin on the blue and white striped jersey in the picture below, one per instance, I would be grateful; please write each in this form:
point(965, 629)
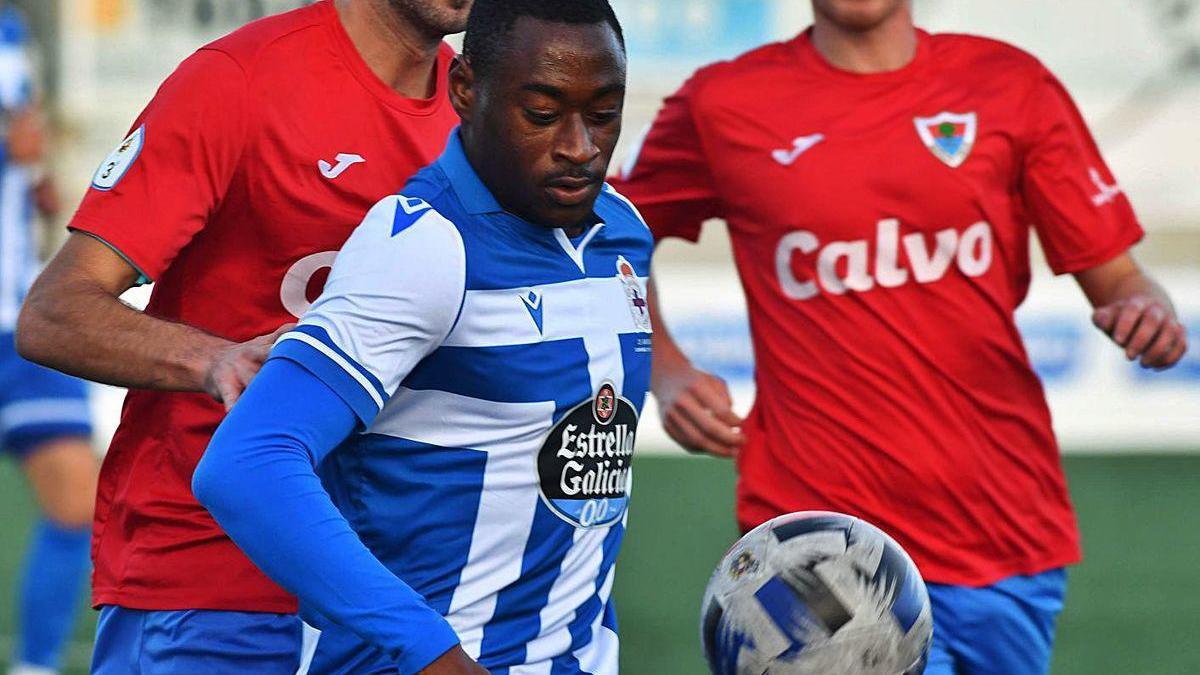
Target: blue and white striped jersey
point(18, 244)
point(499, 369)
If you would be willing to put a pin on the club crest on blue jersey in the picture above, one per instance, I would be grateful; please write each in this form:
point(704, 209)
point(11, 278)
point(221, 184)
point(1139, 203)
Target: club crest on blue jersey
point(634, 293)
point(949, 136)
point(584, 463)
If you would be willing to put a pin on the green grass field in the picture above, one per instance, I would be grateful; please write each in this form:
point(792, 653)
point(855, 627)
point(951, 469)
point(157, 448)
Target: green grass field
point(1133, 606)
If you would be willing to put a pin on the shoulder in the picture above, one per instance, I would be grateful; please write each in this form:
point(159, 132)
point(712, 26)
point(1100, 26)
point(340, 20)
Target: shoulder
point(411, 223)
point(732, 77)
point(622, 217)
point(269, 39)
point(985, 55)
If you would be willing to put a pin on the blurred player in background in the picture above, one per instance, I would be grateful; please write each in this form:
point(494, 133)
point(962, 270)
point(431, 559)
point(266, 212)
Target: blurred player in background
point(44, 417)
point(879, 183)
point(487, 329)
point(239, 181)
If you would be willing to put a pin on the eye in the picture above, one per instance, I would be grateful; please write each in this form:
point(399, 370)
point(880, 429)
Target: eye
point(541, 117)
point(603, 116)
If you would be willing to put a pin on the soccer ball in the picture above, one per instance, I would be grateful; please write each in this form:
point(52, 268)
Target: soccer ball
point(816, 593)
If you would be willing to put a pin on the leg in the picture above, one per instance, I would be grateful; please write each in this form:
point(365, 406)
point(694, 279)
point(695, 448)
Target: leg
point(1010, 625)
point(62, 473)
point(44, 421)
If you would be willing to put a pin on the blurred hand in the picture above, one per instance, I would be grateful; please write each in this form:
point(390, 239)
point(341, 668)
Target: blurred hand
point(696, 410)
point(1146, 328)
point(454, 662)
point(234, 366)
point(27, 137)
point(46, 197)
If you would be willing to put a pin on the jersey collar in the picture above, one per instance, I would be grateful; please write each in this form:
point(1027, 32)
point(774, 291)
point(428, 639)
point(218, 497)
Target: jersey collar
point(475, 197)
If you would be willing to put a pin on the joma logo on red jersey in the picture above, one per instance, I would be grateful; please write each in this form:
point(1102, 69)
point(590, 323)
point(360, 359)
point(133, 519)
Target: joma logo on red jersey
point(843, 266)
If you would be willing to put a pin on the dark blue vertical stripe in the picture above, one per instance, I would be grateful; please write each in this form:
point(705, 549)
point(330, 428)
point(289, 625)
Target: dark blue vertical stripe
point(396, 492)
point(517, 618)
point(591, 610)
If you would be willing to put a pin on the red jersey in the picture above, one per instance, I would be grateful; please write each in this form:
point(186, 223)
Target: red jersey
point(240, 181)
point(881, 228)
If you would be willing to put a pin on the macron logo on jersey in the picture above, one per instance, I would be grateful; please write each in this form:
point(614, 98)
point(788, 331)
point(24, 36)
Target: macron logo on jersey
point(533, 303)
point(410, 211)
point(344, 161)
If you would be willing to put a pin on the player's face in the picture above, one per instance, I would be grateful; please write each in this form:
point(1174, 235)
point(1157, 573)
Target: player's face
point(857, 15)
point(541, 125)
point(440, 17)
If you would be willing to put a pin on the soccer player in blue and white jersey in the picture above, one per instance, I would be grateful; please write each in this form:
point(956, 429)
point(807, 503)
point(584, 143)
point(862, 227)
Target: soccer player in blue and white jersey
point(469, 383)
point(44, 419)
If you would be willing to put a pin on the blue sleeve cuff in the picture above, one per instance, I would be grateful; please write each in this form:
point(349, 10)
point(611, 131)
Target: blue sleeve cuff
point(439, 639)
point(312, 348)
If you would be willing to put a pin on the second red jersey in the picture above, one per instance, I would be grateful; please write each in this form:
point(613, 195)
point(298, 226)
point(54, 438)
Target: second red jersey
point(881, 227)
point(235, 189)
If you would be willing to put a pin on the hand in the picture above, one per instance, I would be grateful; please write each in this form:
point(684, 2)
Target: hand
point(46, 197)
point(27, 137)
point(232, 368)
point(454, 662)
point(1146, 327)
point(697, 411)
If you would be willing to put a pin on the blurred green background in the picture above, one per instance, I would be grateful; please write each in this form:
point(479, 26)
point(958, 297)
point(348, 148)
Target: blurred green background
point(1133, 606)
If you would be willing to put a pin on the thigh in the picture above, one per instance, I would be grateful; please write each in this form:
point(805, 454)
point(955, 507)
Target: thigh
point(194, 641)
point(1008, 628)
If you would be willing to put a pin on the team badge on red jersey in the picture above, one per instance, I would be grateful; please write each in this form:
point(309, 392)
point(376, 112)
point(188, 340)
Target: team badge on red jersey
point(949, 136)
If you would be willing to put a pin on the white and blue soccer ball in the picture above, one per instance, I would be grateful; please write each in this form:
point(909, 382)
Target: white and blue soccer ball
point(816, 593)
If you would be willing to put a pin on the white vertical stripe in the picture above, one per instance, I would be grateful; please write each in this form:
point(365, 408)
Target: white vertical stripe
point(576, 582)
point(509, 433)
point(309, 637)
point(14, 250)
point(601, 655)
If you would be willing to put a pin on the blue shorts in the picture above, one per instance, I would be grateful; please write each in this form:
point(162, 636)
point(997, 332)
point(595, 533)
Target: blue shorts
point(1003, 629)
point(195, 641)
point(37, 404)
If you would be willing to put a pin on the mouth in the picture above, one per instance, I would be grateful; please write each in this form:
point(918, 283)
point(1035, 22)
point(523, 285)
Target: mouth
point(572, 191)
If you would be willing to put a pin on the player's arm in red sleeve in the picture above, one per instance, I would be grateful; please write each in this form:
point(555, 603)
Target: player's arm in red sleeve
point(147, 201)
point(670, 181)
point(1087, 228)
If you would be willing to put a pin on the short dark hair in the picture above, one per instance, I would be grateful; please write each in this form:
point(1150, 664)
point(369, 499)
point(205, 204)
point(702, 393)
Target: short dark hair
point(491, 22)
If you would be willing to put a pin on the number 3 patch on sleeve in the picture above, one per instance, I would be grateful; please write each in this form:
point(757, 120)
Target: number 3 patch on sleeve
point(117, 164)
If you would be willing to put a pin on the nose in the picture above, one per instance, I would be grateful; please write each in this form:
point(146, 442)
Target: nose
point(574, 143)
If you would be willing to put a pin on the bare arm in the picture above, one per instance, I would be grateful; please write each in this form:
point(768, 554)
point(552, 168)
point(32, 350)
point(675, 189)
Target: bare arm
point(695, 406)
point(74, 321)
point(1135, 312)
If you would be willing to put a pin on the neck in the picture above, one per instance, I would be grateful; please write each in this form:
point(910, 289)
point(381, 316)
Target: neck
point(889, 46)
point(399, 53)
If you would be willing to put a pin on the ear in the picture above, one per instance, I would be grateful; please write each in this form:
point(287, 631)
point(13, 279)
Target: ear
point(462, 88)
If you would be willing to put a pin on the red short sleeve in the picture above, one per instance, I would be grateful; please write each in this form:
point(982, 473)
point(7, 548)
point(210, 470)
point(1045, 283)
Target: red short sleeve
point(152, 195)
point(1081, 215)
point(668, 177)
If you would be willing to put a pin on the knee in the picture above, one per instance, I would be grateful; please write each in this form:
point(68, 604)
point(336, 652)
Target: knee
point(63, 476)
